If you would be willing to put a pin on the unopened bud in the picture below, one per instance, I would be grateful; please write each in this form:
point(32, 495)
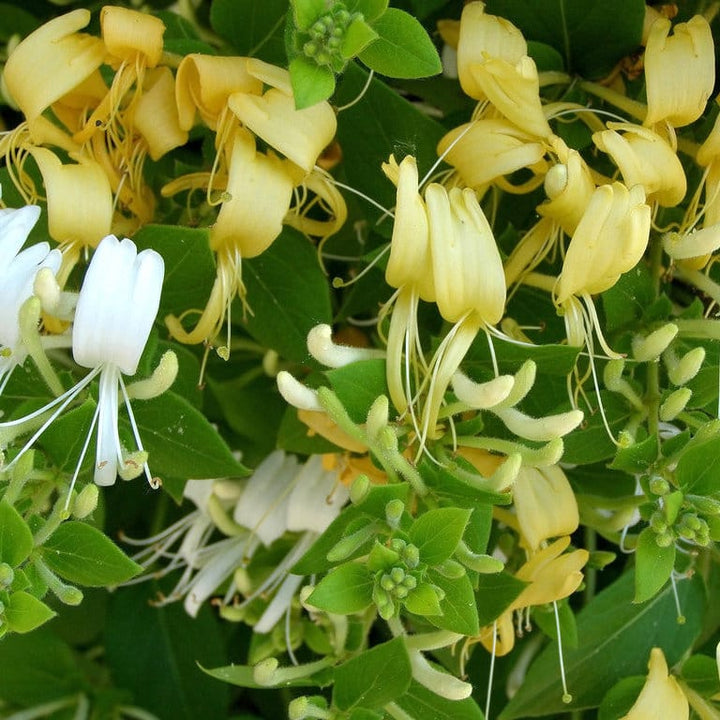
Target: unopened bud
point(612, 374)
point(393, 513)
point(524, 380)
point(321, 346)
point(665, 539)
point(704, 505)
point(658, 485)
point(296, 394)
point(86, 501)
point(7, 575)
point(264, 672)
point(161, 380)
point(359, 489)
point(68, 595)
point(651, 347)
point(675, 403)
point(377, 417)
point(686, 368)
point(482, 395)
point(540, 429)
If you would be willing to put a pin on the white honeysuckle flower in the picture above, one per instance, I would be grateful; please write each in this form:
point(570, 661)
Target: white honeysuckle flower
point(17, 275)
point(116, 308)
point(281, 496)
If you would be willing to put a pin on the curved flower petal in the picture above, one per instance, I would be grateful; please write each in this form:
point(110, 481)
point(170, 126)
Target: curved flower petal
point(132, 36)
point(118, 302)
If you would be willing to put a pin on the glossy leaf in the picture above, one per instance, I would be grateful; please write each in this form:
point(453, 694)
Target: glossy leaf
point(653, 565)
point(16, 540)
point(24, 612)
point(459, 611)
point(438, 532)
point(403, 48)
point(347, 589)
point(357, 385)
point(82, 554)
point(311, 83)
point(373, 678)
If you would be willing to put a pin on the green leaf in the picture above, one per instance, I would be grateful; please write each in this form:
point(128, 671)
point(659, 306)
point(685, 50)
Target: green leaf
point(24, 612)
point(82, 554)
point(383, 123)
point(626, 301)
point(637, 458)
point(16, 540)
point(422, 704)
point(611, 626)
point(653, 565)
point(15, 21)
point(189, 265)
point(37, 668)
point(311, 83)
point(347, 589)
point(357, 386)
point(357, 37)
point(459, 610)
point(403, 49)
point(591, 35)
point(373, 678)
point(370, 9)
point(288, 293)
point(306, 12)
point(495, 594)
point(253, 29)
point(244, 676)
point(697, 469)
point(154, 652)
point(620, 698)
point(423, 600)
point(438, 532)
point(701, 674)
point(64, 439)
point(181, 442)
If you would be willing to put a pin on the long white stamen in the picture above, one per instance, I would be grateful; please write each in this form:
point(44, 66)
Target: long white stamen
point(567, 697)
point(492, 671)
point(153, 482)
point(83, 452)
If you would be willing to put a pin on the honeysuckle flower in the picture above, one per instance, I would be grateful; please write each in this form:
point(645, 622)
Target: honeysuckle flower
point(644, 158)
point(17, 275)
point(115, 312)
point(134, 42)
point(51, 61)
point(484, 151)
point(205, 82)
point(259, 192)
point(551, 574)
point(155, 115)
point(483, 37)
point(545, 505)
point(79, 201)
point(282, 496)
point(679, 71)
point(661, 696)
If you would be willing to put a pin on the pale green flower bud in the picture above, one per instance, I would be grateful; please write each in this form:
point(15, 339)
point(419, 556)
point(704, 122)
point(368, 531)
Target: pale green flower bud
point(86, 501)
point(652, 346)
point(482, 395)
point(540, 429)
point(674, 404)
point(686, 368)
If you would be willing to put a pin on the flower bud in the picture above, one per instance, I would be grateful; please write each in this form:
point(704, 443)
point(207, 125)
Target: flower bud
point(482, 395)
point(321, 346)
point(86, 501)
point(653, 345)
point(682, 371)
point(674, 404)
point(539, 429)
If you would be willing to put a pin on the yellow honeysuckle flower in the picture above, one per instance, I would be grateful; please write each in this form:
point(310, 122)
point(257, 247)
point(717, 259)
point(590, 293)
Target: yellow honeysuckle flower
point(409, 263)
point(484, 37)
point(205, 82)
point(463, 249)
point(258, 195)
point(73, 108)
point(609, 240)
point(569, 186)
point(661, 696)
point(485, 150)
point(134, 41)
point(679, 71)
point(132, 37)
point(52, 61)
point(545, 505)
point(514, 90)
point(551, 575)
point(155, 115)
point(644, 158)
point(300, 135)
point(80, 202)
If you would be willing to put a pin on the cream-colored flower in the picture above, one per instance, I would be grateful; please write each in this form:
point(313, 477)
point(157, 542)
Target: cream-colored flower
point(644, 158)
point(484, 150)
point(679, 71)
point(484, 37)
point(545, 505)
point(661, 697)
